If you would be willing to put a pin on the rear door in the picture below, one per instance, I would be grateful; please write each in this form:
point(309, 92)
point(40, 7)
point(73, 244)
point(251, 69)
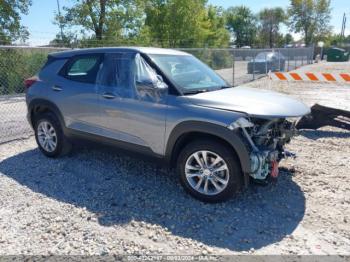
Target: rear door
point(74, 92)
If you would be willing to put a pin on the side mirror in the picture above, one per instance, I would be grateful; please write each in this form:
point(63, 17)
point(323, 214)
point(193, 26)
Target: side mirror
point(160, 84)
point(145, 85)
point(149, 85)
point(149, 90)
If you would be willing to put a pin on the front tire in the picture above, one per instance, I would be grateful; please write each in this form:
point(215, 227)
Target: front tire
point(209, 171)
point(49, 136)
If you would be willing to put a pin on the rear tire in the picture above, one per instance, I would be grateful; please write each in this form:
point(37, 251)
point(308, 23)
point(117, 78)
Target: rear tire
point(217, 178)
point(49, 136)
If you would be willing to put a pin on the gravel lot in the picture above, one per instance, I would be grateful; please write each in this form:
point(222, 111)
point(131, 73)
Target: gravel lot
point(95, 201)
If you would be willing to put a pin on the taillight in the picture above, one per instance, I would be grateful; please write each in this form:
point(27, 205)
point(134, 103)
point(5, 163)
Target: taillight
point(30, 81)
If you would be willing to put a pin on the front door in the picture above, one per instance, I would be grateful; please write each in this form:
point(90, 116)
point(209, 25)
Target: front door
point(132, 112)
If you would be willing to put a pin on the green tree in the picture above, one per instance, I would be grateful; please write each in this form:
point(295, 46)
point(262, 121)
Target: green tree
point(288, 39)
point(166, 23)
point(217, 34)
point(10, 20)
point(311, 18)
point(172, 23)
point(242, 23)
point(107, 19)
point(156, 26)
point(270, 20)
point(68, 39)
point(337, 40)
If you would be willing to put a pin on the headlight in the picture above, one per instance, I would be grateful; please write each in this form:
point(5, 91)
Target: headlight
point(293, 119)
point(240, 122)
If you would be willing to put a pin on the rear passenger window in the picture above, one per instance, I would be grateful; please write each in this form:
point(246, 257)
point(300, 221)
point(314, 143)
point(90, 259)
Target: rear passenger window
point(82, 68)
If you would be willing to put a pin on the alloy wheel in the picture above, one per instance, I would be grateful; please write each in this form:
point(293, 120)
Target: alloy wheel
point(47, 136)
point(207, 172)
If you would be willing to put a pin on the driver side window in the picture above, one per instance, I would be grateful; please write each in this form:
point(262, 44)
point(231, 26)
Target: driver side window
point(148, 84)
point(145, 73)
point(116, 75)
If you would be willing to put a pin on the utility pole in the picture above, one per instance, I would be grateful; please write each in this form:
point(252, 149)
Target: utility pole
point(344, 24)
point(342, 34)
point(59, 20)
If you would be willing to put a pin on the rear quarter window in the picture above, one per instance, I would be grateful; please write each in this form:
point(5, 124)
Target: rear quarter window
point(82, 68)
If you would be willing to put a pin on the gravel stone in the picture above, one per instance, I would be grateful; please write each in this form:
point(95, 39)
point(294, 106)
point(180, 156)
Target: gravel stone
point(97, 202)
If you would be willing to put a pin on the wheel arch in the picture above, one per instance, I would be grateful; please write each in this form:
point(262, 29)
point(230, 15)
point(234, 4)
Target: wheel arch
point(186, 131)
point(41, 106)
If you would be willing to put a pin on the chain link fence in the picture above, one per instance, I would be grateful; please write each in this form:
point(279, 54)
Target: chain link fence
point(236, 66)
point(239, 66)
point(16, 65)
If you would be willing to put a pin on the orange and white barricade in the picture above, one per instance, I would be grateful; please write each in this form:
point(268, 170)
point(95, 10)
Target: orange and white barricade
point(308, 76)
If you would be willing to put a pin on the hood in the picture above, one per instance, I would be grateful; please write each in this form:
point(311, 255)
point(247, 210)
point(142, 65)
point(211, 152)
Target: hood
point(253, 101)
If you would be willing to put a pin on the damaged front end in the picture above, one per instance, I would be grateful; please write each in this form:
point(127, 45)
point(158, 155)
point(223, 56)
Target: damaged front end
point(266, 140)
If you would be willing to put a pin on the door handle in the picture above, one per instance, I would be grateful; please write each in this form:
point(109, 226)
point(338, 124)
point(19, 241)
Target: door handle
point(109, 96)
point(56, 88)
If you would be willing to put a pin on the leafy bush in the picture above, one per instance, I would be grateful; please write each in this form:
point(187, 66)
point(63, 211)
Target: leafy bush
point(16, 65)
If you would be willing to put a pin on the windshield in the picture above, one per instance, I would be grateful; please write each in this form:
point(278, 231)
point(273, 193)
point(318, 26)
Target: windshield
point(188, 73)
point(264, 55)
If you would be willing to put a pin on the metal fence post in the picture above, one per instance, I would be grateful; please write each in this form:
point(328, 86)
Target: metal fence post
point(279, 60)
point(288, 54)
point(302, 58)
point(253, 65)
point(233, 68)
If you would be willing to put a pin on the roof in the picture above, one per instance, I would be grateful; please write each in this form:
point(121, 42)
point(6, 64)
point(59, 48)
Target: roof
point(337, 48)
point(145, 50)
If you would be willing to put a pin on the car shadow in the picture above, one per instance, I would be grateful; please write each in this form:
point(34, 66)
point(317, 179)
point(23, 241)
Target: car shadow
point(120, 189)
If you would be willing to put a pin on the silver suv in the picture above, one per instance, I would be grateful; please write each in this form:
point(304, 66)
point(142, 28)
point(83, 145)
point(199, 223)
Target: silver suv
point(166, 104)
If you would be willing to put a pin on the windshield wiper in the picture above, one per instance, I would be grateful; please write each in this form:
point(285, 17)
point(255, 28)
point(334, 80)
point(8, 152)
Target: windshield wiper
point(196, 91)
point(224, 87)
